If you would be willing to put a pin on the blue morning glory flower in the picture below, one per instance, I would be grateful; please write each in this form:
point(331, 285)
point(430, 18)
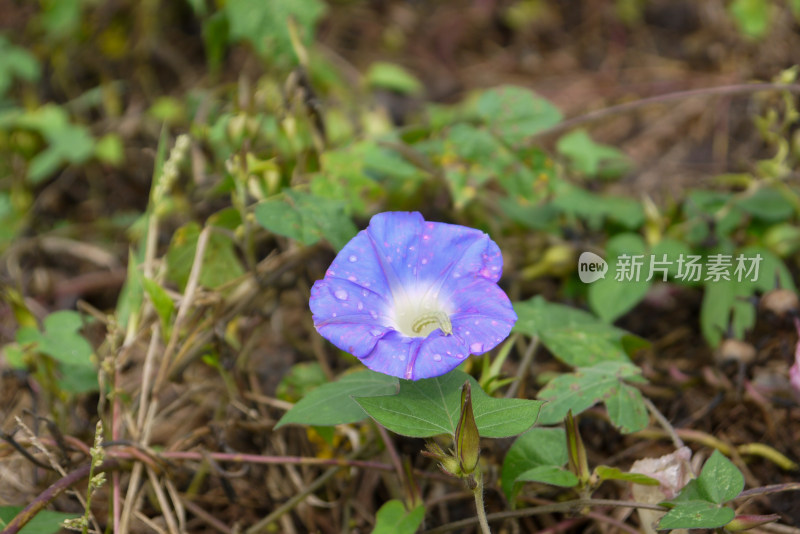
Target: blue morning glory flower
point(412, 298)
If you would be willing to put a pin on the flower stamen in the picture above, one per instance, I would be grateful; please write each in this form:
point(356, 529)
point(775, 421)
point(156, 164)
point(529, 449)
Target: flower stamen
point(441, 319)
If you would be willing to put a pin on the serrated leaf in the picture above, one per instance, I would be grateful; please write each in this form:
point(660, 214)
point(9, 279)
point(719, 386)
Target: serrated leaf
point(720, 480)
point(573, 336)
point(696, 514)
point(574, 201)
point(589, 385)
point(515, 113)
point(605, 472)
point(392, 518)
point(306, 218)
point(537, 447)
point(432, 406)
point(589, 157)
point(265, 24)
point(334, 403)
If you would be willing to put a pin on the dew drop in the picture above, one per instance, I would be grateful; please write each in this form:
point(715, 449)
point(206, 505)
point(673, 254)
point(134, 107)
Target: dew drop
point(360, 306)
point(424, 261)
point(466, 333)
point(376, 332)
point(459, 356)
point(373, 314)
point(476, 347)
point(340, 294)
point(437, 357)
point(352, 278)
point(402, 357)
point(353, 258)
point(334, 314)
point(364, 293)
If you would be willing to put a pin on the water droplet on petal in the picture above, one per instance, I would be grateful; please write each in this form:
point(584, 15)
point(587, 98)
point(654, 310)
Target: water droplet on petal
point(424, 261)
point(340, 294)
point(373, 314)
point(363, 292)
point(476, 347)
point(334, 314)
point(437, 357)
point(402, 357)
point(459, 356)
point(360, 306)
point(353, 258)
point(376, 332)
point(352, 278)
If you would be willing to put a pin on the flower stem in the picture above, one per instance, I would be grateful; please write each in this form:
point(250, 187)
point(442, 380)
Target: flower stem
point(478, 493)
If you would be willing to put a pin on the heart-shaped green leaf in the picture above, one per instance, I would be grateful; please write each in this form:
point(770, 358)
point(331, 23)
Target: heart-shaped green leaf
point(432, 406)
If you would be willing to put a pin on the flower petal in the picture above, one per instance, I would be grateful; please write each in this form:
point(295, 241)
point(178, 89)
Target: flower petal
point(483, 315)
point(350, 316)
point(412, 251)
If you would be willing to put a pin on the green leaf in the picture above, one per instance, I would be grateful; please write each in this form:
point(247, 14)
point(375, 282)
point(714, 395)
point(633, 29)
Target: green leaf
point(432, 406)
point(334, 404)
point(588, 157)
point(384, 75)
point(60, 339)
point(720, 480)
point(67, 142)
point(344, 177)
point(727, 303)
point(573, 336)
point(613, 296)
point(751, 16)
point(696, 514)
point(515, 113)
point(627, 410)
point(537, 447)
point(161, 302)
point(767, 204)
point(265, 24)
point(220, 263)
point(612, 473)
point(392, 518)
point(577, 202)
point(589, 385)
point(77, 378)
point(44, 522)
point(306, 218)
point(16, 62)
point(549, 474)
point(109, 150)
point(301, 379)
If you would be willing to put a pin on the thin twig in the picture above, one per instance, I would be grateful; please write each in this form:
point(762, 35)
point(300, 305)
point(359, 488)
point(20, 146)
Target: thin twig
point(676, 440)
point(524, 365)
point(43, 499)
point(566, 506)
point(592, 116)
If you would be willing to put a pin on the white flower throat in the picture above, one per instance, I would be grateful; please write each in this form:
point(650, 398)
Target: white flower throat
point(418, 315)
